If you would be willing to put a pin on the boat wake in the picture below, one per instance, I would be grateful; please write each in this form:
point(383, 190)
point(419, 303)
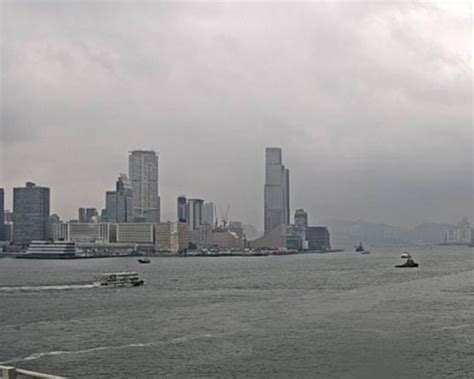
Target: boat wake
point(35, 356)
point(45, 288)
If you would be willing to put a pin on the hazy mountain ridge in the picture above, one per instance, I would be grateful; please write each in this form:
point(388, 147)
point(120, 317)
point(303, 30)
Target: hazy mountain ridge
point(348, 233)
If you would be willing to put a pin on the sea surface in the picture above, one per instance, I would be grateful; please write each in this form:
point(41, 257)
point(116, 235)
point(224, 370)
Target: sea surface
point(337, 315)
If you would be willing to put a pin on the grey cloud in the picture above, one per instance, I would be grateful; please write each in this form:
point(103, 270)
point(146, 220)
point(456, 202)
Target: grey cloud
point(358, 95)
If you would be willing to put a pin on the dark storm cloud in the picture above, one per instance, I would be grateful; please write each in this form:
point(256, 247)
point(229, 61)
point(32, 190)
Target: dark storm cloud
point(371, 103)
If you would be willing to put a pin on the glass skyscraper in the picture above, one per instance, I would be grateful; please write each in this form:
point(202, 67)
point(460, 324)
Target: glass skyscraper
point(2, 215)
point(118, 203)
point(143, 173)
point(276, 190)
point(30, 213)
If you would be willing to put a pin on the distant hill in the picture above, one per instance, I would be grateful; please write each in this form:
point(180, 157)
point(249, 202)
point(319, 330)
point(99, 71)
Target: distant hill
point(348, 233)
point(429, 233)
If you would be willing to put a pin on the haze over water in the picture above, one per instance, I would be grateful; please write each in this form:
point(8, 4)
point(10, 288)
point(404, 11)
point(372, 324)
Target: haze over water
point(313, 315)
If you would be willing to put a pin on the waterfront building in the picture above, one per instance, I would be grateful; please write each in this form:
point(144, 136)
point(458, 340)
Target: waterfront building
point(83, 232)
point(208, 215)
point(91, 232)
point(143, 173)
point(194, 213)
point(59, 231)
point(8, 230)
point(118, 203)
point(237, 228)
point(184, 236)
point(133, 232)
point(2, 215)
point(275, 239)
point(223, 238)
point(301, 218)
point(318, 238)
point(276, 190)
point(166, 237)
point(201, 236)
point(181, 208)
point(30, 213)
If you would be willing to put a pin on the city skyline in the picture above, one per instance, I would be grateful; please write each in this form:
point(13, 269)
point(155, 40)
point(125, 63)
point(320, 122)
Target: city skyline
point(233, 189)
point(366, 125)
point(123, 182)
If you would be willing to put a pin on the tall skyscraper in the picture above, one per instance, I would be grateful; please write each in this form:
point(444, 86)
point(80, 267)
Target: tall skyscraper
point(181, 208)
point(276, 191)
point(118, 203)
point(208, 216)
point(81, 215)
point(143, 173)
point(87, 215)
point(301, 218)
point(30, 213)
point(194, 213)
point(2, 214)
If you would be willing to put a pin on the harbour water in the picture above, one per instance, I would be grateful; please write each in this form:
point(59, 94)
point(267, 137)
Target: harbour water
point(340, 315)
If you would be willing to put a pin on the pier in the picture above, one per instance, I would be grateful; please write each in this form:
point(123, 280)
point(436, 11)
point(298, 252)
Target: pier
point(9, 372)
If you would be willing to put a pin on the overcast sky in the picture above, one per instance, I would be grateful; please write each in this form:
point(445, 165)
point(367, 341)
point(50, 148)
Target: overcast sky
point(371, 103)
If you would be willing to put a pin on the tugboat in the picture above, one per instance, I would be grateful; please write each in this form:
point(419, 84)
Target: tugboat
point(360, 249)
point(410, 263)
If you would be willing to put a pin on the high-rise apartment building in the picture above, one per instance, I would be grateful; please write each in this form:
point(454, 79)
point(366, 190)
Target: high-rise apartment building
point(143, 173)
point(301, 218)
point(81, 215)
point(2, 215)
point(30, 213)
point(87, 215)
point(276, 190)
point(181, 208)
point(194, 213)
point(118, 203)
point(208, 216)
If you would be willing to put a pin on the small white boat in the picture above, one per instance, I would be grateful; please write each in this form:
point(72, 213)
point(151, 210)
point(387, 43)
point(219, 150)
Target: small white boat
point(405, 255)
point(118, 279)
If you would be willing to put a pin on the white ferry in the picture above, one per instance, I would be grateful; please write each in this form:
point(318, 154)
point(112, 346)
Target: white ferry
point(50, 250)
point(119, 279)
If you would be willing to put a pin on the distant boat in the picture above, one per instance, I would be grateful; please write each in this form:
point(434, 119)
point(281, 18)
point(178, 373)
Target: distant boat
point(144, 260)
point(360, 249)
point(410, 263)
